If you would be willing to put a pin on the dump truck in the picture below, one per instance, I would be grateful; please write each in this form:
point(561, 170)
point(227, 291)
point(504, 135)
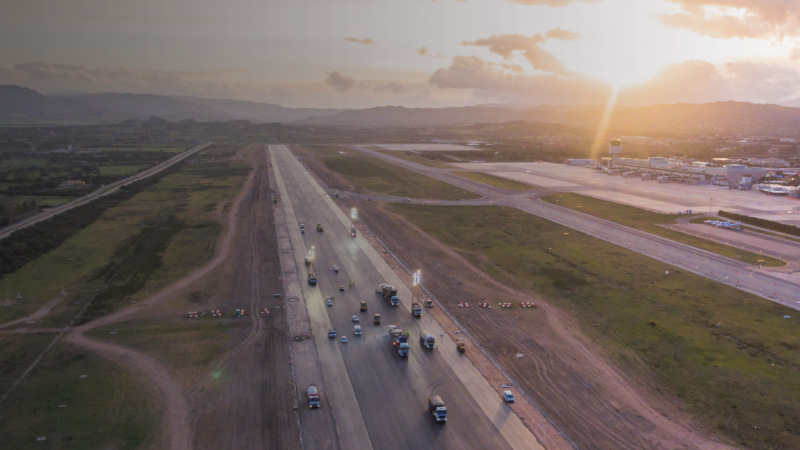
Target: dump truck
point(353, 230)
point(389, 293)
point(399, 340)
point(363, 307)
point(437, 408)
point(416, 310)
point(376, 319)
point(312, 277)
point(427, 339)
point(319, 228)
point(313, 396)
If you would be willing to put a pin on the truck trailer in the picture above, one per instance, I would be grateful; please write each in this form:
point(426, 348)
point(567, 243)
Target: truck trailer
point(389, 293)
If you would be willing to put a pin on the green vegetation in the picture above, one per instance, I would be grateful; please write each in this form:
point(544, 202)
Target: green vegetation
point(129, 248)
point(121, 170)
point(728, 356)
point(375, 176)
point(649, 222)
point(327, 150)
point(763, 223)
point(75, 400)
point(418, 158)
point(486, 178)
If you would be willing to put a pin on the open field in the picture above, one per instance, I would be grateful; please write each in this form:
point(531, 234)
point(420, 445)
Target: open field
point(41, 200)
point(649, 221)
point(486, 178)
point(420, 158)
point(426, 147)
point(368, 175)
point(121, 170)
point(76, 400)
point(728, 357)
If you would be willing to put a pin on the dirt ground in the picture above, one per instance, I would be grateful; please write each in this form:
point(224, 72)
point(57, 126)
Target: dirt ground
point(247, 399)
point(595, 403)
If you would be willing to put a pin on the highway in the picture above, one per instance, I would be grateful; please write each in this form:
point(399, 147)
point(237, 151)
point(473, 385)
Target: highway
point(102, 192)
point(378, 399)
point(782, 288)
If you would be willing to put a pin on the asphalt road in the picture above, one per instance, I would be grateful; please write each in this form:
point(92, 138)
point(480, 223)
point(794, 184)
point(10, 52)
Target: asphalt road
point(779, 287)
point(378, 399)
point(102, 192)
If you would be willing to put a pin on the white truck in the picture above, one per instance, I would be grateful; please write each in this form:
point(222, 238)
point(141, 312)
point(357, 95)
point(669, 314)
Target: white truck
point(437, 409)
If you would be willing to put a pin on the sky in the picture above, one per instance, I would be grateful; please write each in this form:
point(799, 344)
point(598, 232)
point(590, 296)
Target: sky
point(414, 53)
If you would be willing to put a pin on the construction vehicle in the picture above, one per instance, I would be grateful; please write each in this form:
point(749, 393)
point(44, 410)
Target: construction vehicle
point(416, 310)
point(353, 230)
point(389, 293)
point(461, 347)
point(312, 277)
point(399, 341)
point(427, 339)
point(376, 319)
point(313, 396)
point(363, 307)
point(308, 261)
point(319, 228)
point(437, 408)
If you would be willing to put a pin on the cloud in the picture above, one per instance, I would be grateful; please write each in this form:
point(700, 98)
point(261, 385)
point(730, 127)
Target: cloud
point(365, 41)
point(341, 83)
point(506, 84)
point(690, 82)
point(506, 45)
point(391, 87)
point(736, 18)
point(422, 51)
point(552, 3)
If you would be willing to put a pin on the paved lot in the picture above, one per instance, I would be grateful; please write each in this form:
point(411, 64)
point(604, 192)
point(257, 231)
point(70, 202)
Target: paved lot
point(378, 400)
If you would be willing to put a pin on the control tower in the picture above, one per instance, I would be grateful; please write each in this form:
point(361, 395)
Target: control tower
point(614, 149)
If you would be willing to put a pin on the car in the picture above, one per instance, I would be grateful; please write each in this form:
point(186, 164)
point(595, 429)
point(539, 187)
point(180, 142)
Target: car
point(406, 200)
point(508, 396)
point(344, 339)
point(329, 301)
point(357, 330)
point(335, 269)
point(331, 334)
point(302, 231)
point(355, 319)
point(341, 288)
point(302, 226)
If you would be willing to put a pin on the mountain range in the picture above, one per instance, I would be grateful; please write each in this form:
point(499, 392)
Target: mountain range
point(20, 105)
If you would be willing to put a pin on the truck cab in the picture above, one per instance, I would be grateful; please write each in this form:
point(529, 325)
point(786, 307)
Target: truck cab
point(437, 408)
point(416, 310)
point(427, 339)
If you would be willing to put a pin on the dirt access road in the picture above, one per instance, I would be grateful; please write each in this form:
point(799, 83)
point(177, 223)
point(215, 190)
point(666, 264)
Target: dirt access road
point(251, 405)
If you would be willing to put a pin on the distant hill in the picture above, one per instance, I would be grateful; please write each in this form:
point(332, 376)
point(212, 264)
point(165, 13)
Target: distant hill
point(23, 105)
point(260, 112)
point(707, 118)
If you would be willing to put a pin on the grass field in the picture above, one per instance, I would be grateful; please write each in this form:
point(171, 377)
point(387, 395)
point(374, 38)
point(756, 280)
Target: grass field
point(121, 170)
point(740, 377)
point(418, 158)
point(486, 178)
point(329, 150)
point(370, 175)
point(132, 250)
point(649, 221)
point(41, 200)
point(75, 400)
